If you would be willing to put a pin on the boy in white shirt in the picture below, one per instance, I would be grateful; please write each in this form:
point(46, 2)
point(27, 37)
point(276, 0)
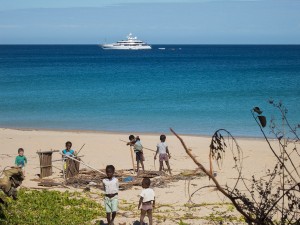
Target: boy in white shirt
point(147, 201)
point(164, 154)
point(111, 188)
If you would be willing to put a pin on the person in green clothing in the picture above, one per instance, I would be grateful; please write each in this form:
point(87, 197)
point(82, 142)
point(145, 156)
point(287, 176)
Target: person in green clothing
point(21, 159)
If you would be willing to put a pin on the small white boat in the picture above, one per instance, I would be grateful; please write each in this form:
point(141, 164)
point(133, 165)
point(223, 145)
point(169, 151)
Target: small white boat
point(132, 43)
point(162, 48)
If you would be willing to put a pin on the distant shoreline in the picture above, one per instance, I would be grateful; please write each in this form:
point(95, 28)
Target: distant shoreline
point(120, 132)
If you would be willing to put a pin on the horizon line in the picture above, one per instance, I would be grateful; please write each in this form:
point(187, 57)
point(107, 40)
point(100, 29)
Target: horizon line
point(151, 44)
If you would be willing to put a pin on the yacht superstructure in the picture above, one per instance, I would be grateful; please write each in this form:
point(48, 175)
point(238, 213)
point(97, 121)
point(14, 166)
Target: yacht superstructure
point(132, 43)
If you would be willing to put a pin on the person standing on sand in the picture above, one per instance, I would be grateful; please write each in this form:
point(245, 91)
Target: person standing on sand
point(164, 154)
point(67, 152)
point(147, 201)
point(21, 160)
point(138, 149)
point(111, 188)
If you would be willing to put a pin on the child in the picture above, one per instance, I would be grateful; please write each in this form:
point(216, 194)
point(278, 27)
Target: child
point(68, 151)
point(164, 154)
point(111, 188)
point(21, 159)
point(147, 200)
point(138, 149)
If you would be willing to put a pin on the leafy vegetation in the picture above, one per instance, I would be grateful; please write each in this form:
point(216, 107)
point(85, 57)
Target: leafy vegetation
point(49, 207)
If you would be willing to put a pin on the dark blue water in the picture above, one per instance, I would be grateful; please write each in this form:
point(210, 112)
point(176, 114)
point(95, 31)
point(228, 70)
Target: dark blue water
point(196, 89)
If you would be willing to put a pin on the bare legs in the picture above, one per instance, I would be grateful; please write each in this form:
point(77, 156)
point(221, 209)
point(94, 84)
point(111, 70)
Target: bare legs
point(138, 165)
point(161, 166)
point(143, 214)
point(108, 218)
point(111, 220)
point(169, 168)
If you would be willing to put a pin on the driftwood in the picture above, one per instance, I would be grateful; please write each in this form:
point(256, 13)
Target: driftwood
point(158, 178)
point(210, 175)
point(74, 159)
point(49, 184)
point(151, 174)
point(149, 149)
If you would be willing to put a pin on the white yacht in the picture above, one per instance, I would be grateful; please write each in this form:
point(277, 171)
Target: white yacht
point(132, 43)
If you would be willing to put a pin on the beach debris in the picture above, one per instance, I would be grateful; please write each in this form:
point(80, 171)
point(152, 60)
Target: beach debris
point(80, 149)
point(7, 155)
point(127, 181)
point(66, 156)
point(11, 178)
point(92, 183)
point(215, 173)
point(151, 174)
point(87, 189)
point(48, 183)
point(46, 163)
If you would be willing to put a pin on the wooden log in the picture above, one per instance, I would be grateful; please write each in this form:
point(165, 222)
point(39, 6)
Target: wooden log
point(132, 160)
point(48, 184)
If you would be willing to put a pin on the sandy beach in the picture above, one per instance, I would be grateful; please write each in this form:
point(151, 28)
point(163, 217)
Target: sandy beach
point(103, 148)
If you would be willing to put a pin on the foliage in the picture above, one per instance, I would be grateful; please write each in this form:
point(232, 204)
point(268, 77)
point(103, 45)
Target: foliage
point(222, 217)
point(49, 207)
point(273, 198)
point(182, 223)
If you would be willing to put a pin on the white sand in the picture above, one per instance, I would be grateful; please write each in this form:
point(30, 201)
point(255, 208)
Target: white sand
point(102, 149)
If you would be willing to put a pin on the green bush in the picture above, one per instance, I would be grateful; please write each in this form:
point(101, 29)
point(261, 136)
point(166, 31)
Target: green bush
point(49, 207)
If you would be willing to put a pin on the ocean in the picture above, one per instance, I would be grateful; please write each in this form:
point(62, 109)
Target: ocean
point(195, 89)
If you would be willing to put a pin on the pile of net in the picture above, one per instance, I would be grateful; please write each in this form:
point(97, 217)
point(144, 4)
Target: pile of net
point(127, 180)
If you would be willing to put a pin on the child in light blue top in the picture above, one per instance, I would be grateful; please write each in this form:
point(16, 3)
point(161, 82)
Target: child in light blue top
point(68, 151)
point(138, 149)
point(21, 159)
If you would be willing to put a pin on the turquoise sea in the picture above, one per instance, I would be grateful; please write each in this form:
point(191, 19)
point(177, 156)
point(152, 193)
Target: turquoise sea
point(194, 89)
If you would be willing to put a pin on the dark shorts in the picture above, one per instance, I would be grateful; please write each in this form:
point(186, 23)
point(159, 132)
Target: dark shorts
point(139, 156)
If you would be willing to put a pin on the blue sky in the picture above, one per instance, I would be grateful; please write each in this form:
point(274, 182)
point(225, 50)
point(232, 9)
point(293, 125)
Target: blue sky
point(155, 21)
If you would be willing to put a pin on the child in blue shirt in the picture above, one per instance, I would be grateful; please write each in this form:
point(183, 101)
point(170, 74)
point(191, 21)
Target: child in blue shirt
point(21, 160)
point(68, 151)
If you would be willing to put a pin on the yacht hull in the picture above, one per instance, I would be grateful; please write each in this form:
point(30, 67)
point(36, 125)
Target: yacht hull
point(132, 43)
point(114, 47)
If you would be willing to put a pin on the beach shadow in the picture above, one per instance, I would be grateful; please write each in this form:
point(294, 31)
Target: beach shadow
point(138, 223)
point(102, 223)
point(134, 223)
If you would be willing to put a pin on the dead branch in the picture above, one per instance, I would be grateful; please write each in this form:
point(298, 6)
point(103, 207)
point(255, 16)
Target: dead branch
point(218, 186)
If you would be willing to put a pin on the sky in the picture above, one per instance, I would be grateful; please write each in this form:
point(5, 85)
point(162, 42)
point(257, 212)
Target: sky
point(153, 21)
